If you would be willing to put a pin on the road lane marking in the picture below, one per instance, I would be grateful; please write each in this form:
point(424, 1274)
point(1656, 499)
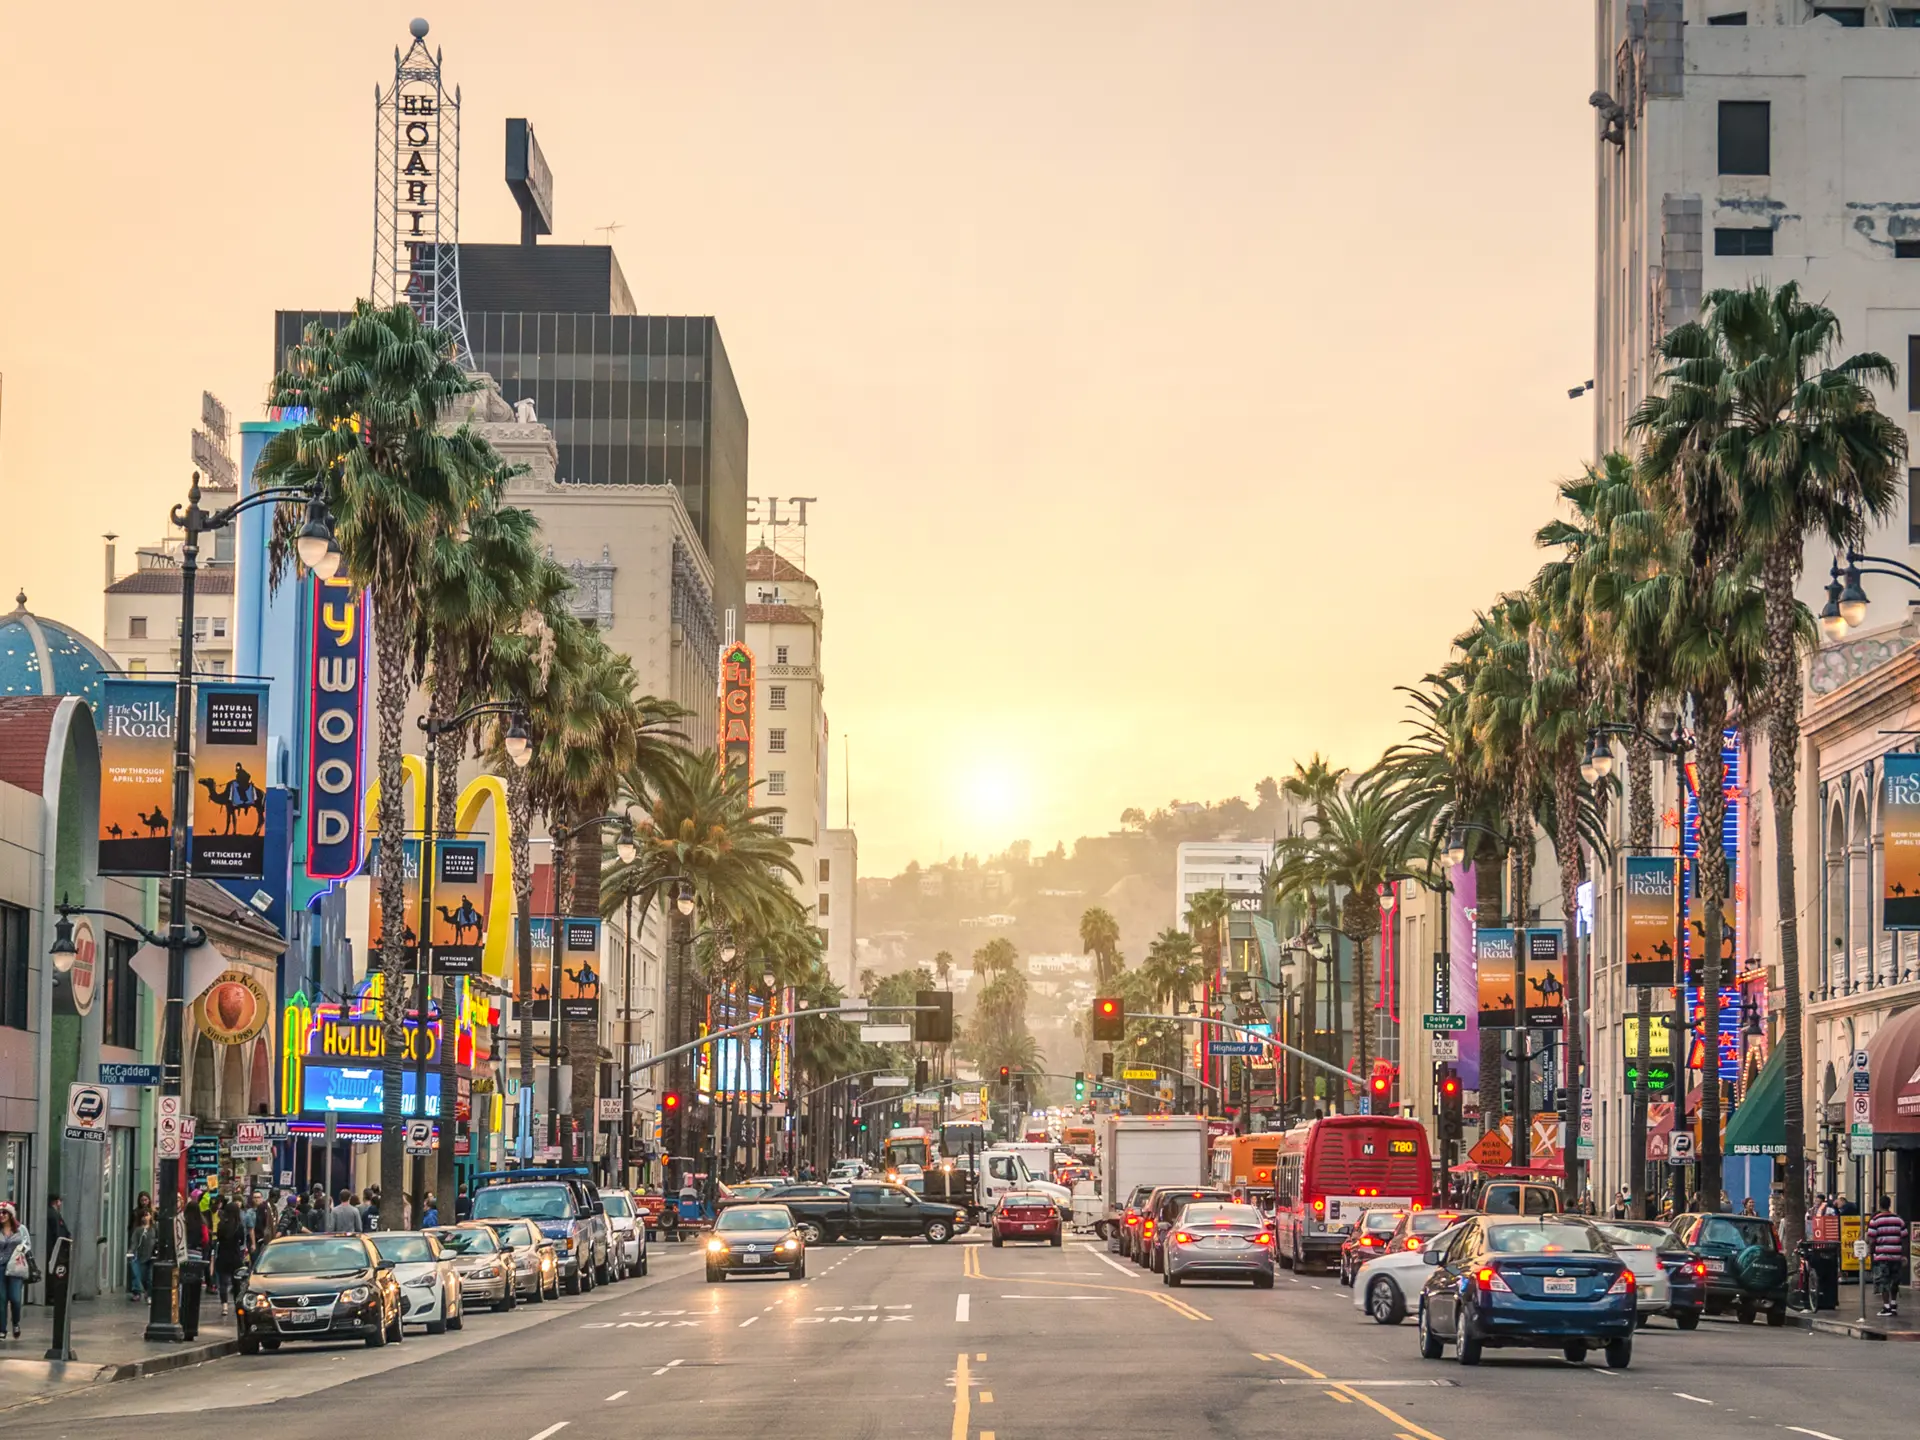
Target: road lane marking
point(553, 1429)
point(986, 1397)
point(962, 1399)
point(1303, 1369)
point(1389, 1414)
point(748, 1321)
point(1336, 1395)
point(614, 1396)
point(981, 1356)
point(1817, 1434)
point(1681, 1394)
point(661, 1371)
point(962, 1308)
point(1109, 1260)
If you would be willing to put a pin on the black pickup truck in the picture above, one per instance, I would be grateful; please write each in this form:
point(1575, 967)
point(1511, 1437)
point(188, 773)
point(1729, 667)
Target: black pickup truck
point(872, 1210)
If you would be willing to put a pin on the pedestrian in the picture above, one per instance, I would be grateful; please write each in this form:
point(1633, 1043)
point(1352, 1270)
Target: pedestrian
point(430, 1217)
point(229, 1253)
point(268, 1224)
point(323, 1209)
point(144, 1202)
point(370, 1210)
point(56, 1223)
point(346, 1216)
point(463, 1205)
point(16, 1264)
point(1746, 1206)
point(140, 1247)
point(1887, 1241)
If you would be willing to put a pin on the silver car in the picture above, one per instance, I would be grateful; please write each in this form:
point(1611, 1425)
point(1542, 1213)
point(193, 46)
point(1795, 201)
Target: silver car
point(486, 1270)
point(1211, 1241)
point(536, 1260)
point(627, 1231)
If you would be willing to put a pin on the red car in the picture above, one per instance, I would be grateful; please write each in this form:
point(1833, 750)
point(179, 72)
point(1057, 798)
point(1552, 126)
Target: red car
point(1023, 1215)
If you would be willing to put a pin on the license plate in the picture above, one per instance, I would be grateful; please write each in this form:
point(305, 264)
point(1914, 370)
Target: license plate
point(1717, 1267)
point(300, 1317)
point(1562, 1285)
point(749, 1259)
point(1221, 1242)
point(1028, 1225)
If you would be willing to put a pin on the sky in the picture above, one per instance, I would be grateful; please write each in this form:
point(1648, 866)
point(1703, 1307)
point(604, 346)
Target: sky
point(1175, 378)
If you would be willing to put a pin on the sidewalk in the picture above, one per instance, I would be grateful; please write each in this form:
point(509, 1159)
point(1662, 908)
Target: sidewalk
point(107, 1339)
point(1849, 1323)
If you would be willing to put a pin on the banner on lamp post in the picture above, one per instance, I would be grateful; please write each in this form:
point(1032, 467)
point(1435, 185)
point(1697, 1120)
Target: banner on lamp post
point(229, 782)
point(1496, 955)
point(459, 922)
point(136, 776)
point(1546, 980)
point(1900, 842)
point(579, 966)
point(1652, 918)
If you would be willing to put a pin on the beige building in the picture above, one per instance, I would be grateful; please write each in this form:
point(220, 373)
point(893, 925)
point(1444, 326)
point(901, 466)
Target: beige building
point(838, 872)
point(143, 612)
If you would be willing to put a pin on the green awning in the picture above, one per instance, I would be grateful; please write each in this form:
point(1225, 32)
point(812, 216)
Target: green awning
point(1759, 1125)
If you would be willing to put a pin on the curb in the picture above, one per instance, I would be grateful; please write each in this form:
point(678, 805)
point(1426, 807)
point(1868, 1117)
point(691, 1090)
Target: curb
point(1852, 1329)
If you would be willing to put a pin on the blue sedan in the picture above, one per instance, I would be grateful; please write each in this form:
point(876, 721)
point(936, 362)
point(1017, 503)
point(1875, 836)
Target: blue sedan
point(1543, 1282)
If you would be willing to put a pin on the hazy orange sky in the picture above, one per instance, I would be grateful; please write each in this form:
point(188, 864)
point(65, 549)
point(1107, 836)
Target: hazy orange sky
point(1175, 378)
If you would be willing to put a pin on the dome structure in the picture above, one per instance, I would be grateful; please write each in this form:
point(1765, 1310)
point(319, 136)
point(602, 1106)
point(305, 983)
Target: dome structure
point(43, 657)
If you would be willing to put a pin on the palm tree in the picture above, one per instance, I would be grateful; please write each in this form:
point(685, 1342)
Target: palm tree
point(995, 958)
point(943, 969)
point(1100, 938)
point(1315, 782)
point(1808, 452)
point(1172, 968)
point(373, 392)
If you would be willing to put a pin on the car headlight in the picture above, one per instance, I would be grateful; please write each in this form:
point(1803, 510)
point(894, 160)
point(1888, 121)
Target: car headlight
point(356, 1295)
point(423, 1282)
point(484, 1272)
point(716, 1247)
point(790, 1245)
point(257, 1301)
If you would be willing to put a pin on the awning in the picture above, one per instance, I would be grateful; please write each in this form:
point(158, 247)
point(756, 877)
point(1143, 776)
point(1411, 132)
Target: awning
point(1894, 1055)
point(1759, 1123)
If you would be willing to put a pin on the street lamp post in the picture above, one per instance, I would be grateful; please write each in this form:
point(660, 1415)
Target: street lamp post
point(519, 750)
point(320, 553)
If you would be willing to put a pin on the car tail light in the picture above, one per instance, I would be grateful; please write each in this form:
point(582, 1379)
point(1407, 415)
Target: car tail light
point(1181, 1237)
point(1263, 1238)
point(1418, 1206)
point(1491, 1279)
point(1623, 1285)
point(1319, 1205)
point(1413, 1242)
point(1147, 1225)
point(1699, 1267)
point(1368, 1240)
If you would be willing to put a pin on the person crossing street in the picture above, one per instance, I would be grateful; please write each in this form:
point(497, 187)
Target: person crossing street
point(1887, 1241)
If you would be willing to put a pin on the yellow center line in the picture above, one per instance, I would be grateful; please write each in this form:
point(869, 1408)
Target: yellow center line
point(1303, 1369)
point(1336, 1395)
point(962, 1398)
point(1378, 1408)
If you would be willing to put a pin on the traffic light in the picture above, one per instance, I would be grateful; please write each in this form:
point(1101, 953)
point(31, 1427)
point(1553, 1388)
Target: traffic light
point(670, 1103)
point(1109, 1018)
point(1451, 1119)
point(1106, 1065)
point(1079, 1085)
point(919, 1074)
point(1006, 1073)
point(1380, 1084)
point(935, 1025)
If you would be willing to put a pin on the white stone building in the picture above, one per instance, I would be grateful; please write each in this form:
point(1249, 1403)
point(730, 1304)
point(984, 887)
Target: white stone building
point(1238, 867)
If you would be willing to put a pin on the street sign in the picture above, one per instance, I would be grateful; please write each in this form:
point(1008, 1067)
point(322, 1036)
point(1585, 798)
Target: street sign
point(1679, 1147)
point(419, 1137)
point(1446, 1047)
point(1860, 1146)
point(1443, 1022)
point(114, 1074)
point(1860, 1109)
point(1166, 1092)
point(171, 1134)
point(1138, 1072)
point(87, 1113)
point(891, 1082)
point(1859, 1249)
point(1862, 1072)
point(250, 1141)
point(609, 1108)
point(1234, 1047)
point(276, 1127)
point(885, 1034)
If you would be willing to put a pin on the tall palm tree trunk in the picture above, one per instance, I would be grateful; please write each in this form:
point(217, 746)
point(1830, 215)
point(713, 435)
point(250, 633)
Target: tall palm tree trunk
point(583, 1036)
point(1783, 751)
point(390, 705)
point(520, 829)
point(1710, 706)
point(1567, 845)
point(1639, 842)
point(1521, 901)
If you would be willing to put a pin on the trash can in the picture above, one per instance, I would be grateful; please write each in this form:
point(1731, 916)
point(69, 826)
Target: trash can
point(193, 1280)
point(1823, 1259)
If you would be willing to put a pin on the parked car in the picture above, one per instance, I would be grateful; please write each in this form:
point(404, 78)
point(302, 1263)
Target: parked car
point(1671, 1281)
point(1024, 1215)
point(1497, 1196)
point(480, 1254)
point(566, 1207)
point(1212, 1241)
point(1745, 1270)
point(318, 1287)
point(1367, 1238)
point(1550, 1281)
point(536, 1259)
point(1162, 1210)
point(628, 1234)
point(756, 1240)
point(872, 1210)
point(1388, 1286)
point(429, 1279)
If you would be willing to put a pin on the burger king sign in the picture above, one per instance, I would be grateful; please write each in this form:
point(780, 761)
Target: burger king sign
point(234, 1008)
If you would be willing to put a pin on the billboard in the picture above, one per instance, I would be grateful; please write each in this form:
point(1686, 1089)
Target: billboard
point(229, 782)
point(1652, 917)
point(579, 968)
point(1495, 955)
point(736, 710)
point(136, 776)
point(1900, 839)
point(1546, 980)
point(459, 919)
point(336, 723)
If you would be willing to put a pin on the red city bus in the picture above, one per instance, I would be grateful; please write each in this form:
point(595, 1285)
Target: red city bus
point(1330, 1170)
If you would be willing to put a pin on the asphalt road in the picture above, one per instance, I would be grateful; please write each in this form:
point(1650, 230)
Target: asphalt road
point(964, 1342)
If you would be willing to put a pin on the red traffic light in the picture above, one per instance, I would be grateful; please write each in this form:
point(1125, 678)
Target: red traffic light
point(670, 1101)
point(1109, 1017)
point(1382, 1080)
point(1450, 1085)
point(1006, 1072)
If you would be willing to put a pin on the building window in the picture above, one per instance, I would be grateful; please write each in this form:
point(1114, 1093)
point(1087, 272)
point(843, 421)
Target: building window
point(136, 627)
point(120, 995)
point(1743, 240)
point(13, 967)
point(219, 627)
point(777, 741)
point(199, 627)
point(822, 908)
point(1732, 17)
point(1852, 17)
point(777, 822)
point(826, 871)
point(1906, 249)
point(776, 782)
point(136, 667)
point(776, 697)
point(779, 654)
point(1907, 19)
point(1745, 140)
point(219, 667)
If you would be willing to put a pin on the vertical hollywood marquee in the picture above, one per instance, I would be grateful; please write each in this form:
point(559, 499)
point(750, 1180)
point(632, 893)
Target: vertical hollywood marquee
point(416, 192)
point(736, 710)
point(337, 712)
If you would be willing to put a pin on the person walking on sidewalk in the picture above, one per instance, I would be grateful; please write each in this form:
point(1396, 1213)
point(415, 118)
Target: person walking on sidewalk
point(141, 1245)
point(16, 1251)
point(229, 1253)
point(346, 1216)
point(1887, 1240)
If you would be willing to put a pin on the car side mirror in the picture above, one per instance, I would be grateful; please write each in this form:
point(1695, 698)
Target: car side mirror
point(1430, 1255)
